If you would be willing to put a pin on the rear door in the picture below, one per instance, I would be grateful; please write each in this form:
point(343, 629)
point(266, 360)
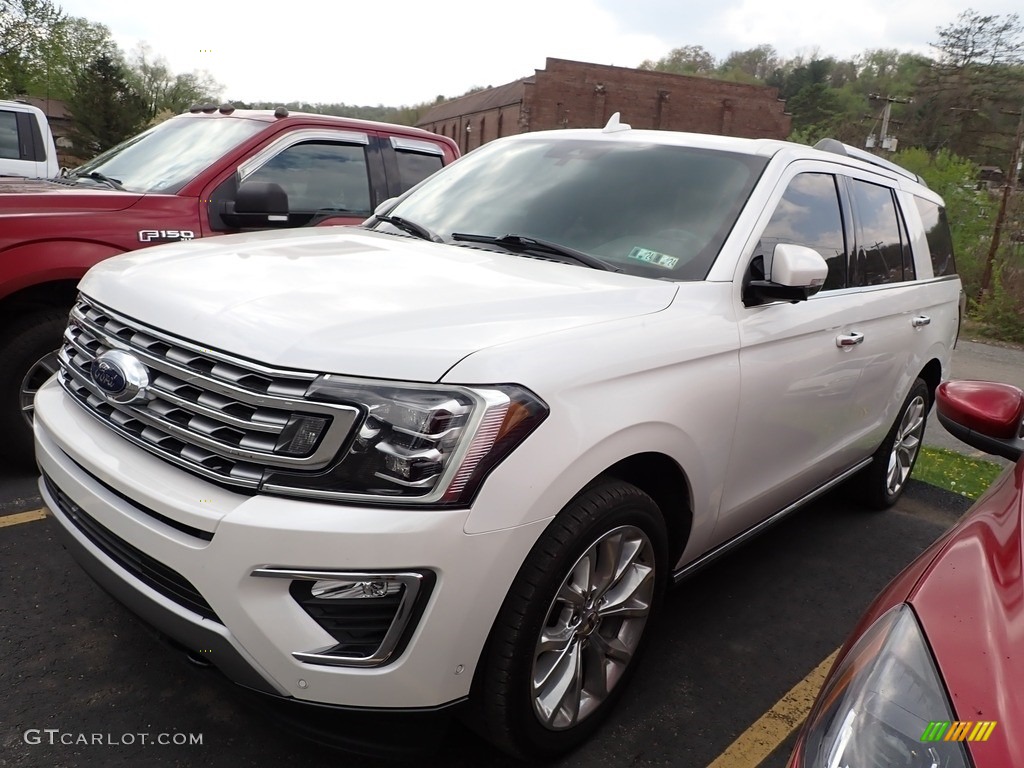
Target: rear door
point(817, 375)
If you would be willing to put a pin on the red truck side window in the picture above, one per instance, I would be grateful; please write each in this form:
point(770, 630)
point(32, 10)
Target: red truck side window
point(319, 176)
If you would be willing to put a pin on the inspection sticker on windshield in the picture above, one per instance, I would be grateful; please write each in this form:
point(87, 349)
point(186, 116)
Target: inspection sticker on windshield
point(648, 256)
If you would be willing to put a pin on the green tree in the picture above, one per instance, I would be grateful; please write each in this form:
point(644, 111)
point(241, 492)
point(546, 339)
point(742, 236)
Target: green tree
point(754, 64)
point(162, 90)
point(106, 107)
point(687, 60)
point(978, 72)
point(971, 211)
point(27, 32)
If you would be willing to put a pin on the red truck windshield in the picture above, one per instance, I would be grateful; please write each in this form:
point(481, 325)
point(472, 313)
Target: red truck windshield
point(168, 156)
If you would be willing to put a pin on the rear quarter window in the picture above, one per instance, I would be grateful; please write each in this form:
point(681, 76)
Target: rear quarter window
point(940, 242)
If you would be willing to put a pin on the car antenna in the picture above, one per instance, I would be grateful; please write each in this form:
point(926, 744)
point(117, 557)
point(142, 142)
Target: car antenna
point(614, 126)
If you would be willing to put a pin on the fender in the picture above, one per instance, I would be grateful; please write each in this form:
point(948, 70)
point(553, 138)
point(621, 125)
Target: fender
point(46, 261)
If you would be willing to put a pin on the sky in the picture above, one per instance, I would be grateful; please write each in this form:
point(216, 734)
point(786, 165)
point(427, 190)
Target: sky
point(402, 52)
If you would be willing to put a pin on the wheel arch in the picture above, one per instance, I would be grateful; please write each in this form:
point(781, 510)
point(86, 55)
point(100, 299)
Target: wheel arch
point(932, 376)
point(56, 294)
point(661, 478)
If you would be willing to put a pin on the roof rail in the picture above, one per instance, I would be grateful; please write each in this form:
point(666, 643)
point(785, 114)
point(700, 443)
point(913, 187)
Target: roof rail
point(837, 147)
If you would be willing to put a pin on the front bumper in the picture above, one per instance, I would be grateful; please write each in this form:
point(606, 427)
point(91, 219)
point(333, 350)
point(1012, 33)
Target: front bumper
point(209, 539)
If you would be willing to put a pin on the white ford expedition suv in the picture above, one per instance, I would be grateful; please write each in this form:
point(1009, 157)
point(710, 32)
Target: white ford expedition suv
point(447, 461)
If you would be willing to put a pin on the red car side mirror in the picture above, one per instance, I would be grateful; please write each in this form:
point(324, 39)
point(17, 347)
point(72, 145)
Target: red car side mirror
point(984, 414)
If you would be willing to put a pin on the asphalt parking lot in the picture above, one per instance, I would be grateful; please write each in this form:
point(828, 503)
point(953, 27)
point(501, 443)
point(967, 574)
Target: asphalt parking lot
point(730, 643)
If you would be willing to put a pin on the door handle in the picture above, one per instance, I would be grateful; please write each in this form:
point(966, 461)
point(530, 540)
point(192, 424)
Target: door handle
point(847, 340)
point(920, 321)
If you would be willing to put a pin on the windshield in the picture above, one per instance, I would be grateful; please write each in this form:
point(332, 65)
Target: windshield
point(646, 209)
point(169, 155)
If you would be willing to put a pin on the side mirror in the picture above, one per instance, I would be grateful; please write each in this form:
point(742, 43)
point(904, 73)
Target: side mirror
point(257, 204)
point(797, 273)
point(984, 414)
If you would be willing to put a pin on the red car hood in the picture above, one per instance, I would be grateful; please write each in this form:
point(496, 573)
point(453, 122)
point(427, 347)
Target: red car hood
point(18, 196)
point(971, 604)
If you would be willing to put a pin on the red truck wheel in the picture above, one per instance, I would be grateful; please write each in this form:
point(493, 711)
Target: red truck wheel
point(26, 361)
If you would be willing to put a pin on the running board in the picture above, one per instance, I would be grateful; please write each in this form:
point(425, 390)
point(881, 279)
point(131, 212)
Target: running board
point(705, 559)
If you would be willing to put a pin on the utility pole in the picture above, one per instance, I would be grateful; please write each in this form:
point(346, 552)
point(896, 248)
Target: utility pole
point(1008, 189)
point(885, 141)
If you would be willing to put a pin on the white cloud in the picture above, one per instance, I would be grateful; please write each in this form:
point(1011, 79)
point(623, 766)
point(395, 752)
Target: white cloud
point(397, 53)
point(406, 52)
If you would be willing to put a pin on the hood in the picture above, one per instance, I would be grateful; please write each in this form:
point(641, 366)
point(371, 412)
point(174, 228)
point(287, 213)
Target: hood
point(971, 605)
point(42, 196)
point(349, 301)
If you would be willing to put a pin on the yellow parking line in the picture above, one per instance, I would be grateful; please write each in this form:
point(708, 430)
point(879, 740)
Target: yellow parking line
point(22, 517)
point(777, 724)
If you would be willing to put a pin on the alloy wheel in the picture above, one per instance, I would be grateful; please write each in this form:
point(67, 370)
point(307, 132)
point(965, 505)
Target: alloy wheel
point(37, 375)
point(906, 445)
point(593, 627)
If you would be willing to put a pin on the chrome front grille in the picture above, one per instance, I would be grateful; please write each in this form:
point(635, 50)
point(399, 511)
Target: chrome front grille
point(222, 417)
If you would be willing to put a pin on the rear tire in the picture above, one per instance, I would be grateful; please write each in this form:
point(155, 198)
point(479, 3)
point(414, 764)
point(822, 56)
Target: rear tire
point(27, 359)
point(883, 481)
point(567, 637)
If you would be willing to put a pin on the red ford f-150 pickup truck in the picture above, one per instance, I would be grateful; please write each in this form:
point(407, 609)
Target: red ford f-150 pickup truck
point(210, 171)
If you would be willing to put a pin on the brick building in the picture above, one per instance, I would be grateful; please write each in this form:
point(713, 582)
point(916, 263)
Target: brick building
point(575, 94)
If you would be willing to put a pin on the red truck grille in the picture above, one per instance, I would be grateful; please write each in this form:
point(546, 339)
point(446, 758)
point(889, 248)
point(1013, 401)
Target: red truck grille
point(219, 416)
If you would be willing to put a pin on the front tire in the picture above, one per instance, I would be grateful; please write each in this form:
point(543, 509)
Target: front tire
point(883, 481)
point(28, 357)
point(573, 623)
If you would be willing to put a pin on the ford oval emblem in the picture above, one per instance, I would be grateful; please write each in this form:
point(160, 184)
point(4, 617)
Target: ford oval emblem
point(120, 376)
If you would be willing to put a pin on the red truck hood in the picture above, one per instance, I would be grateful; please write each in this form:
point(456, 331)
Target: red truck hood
point(971, 605)
point(21, 196)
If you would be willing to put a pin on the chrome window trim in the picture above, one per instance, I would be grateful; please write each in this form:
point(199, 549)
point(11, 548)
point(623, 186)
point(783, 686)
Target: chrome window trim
point(416, 145)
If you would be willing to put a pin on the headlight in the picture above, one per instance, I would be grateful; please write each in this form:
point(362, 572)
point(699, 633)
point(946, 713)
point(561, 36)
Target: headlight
point(413, 443)
point(879, 703)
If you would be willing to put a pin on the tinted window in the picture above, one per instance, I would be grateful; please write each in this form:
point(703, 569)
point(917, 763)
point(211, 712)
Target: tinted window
point(940, 243)
point(320, 176)
point(809, 215)
point(648, 209)
point(414, 167)
point(879, 258)
point(9, 136)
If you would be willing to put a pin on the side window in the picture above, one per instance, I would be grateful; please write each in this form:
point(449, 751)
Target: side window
point(940, 242)
point(414, 167)
point(9, 148)
point(880, 255)
point(809, 215)
point(320, 176)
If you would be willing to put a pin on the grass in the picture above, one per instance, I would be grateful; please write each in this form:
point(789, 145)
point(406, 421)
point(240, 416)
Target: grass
point(955, 472)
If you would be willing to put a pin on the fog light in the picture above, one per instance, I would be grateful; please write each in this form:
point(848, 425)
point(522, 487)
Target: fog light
point(330, 589)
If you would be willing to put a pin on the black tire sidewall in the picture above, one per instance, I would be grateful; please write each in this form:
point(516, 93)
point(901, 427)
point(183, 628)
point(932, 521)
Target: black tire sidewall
point(27, 340)
point(593, 513)
point(875, 490)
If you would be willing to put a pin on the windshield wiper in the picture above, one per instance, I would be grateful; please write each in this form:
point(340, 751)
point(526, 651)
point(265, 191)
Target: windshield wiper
point(521, 243)
point(100, 177)
point(411, 227)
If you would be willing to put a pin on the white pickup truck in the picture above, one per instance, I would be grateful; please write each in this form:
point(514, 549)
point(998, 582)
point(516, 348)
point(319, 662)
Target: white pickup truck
point(26, 142)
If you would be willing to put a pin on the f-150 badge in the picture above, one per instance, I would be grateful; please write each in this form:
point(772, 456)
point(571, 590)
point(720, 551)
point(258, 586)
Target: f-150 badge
point(165, 235)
